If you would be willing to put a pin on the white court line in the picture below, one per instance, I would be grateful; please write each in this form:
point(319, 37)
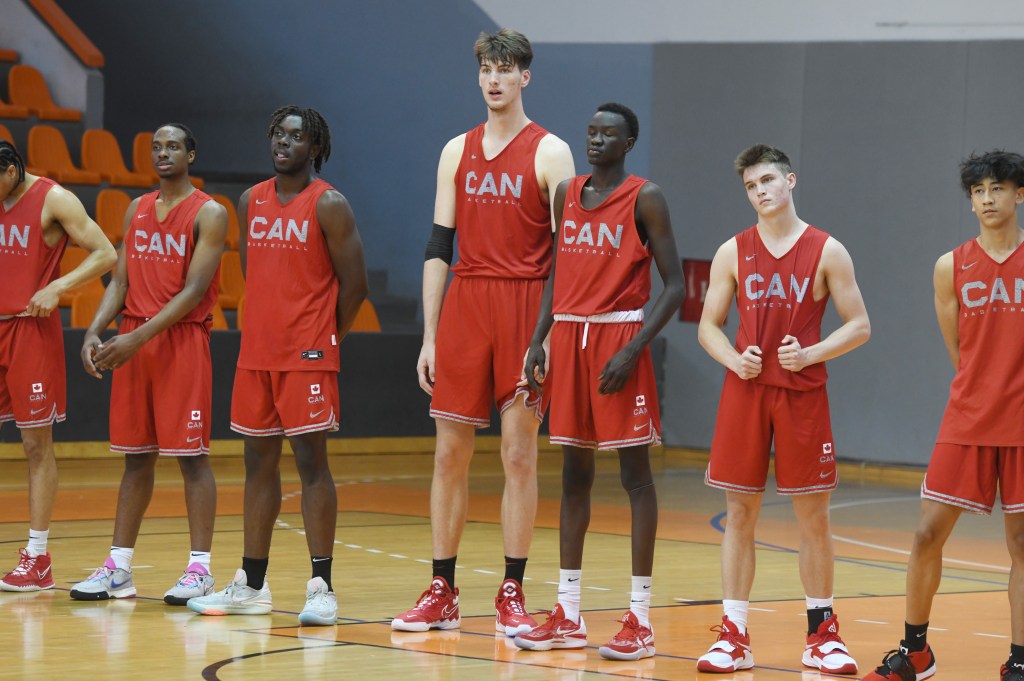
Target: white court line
point(870, 622)
point(904, 552)
point(991, 635)
point(767, 610)
point(683, 600)
point(397, 555)
point(872, 502)
point(485, 572)
point(937, 629)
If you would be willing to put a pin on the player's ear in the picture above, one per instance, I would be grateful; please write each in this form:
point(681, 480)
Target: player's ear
point(191, 157)
point(526, 77)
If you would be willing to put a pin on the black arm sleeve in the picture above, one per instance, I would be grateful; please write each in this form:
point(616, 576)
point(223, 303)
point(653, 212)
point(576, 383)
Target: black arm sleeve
point(440, 244)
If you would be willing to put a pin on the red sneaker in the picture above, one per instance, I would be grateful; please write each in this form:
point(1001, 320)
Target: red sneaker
point(729, 653)
point(32, 574)
point(634, 642)
point(510, 610)
point(903, 665)
point(558, 632)
point(827, 652)
point(437, 608)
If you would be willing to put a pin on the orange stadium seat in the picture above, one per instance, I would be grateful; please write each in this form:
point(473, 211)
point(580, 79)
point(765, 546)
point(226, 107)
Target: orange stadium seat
point(27, 87)
point(366, 319)
point(111, 205)
point(9, 56)
point(5, 134)
point(142, 162)
point(232, 283)
point(220, 322)
point(233, 235)
point(12, 110)
point(48, 151)
point(102, 154)
point(84, 306)
point(73, 257)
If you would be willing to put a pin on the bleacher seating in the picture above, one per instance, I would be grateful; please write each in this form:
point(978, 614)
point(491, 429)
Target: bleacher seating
point(27, 87)
point(232, 282)
point(48, 152)
point(5, 134)
point(111, 205)
point(102, 154)
point(73, 257)
point(231, 240)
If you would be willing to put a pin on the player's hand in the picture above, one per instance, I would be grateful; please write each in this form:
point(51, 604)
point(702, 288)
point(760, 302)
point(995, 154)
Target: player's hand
point(535, 367)
point(791, 355)
point(89, 348)
point(43, 302)
point(425, 368)
point(116, 351)
point(750, 363)
point(617, 370)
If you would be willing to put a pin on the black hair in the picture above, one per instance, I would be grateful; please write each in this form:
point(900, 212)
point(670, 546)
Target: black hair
point(190, 139)
point(632, 122)
point(9, 156)
point(762, 153)
point(1001, 166)
point(313, 124)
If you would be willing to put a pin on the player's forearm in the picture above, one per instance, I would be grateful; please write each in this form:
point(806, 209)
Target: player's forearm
point(714, 341)
point(96, 264)
point(177, 307)
point(351, 295)
point(664, 307)
point(850, 335)
point(435, 274)
point(110, 305)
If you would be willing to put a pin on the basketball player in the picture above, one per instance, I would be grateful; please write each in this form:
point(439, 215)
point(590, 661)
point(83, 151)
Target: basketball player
point(978, 295)
point(493, 186)
point(781, 273)
point(305, 280)
point(37, 217)
point(164, 287)
point(602, 379)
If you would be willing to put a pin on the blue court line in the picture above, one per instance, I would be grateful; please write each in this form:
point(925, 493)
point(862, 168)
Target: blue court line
point(716, 522)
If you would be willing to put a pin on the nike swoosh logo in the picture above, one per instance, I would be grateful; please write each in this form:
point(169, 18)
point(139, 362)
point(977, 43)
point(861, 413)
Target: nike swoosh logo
point(193, 439)
point(824, 475)
point(33, 412)
point(115, 585)
point(571, 204)
point(313, 415)
point(636, 428)
point(141, 215)
point(260, 203)
point(646, 586)
point(447, 612)
point(751, 257)
point(574, 580)
point(43, 573)
point(967, 267)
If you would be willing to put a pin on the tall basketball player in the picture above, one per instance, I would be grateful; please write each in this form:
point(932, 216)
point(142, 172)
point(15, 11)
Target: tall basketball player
point(978, 294)
point(602, 381)
point(304, 282)
point(37, 217)
point(493, 187)
point(781, 273)
point(164, 287)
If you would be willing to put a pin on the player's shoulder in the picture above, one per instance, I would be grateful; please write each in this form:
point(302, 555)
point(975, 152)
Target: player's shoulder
point(454, 146)
point(553, 145)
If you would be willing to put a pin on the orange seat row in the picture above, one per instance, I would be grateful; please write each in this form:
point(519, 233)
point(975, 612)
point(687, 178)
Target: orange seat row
point(30, 96)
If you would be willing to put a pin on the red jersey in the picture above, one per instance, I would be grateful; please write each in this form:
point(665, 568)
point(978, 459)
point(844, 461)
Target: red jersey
point(502, 219)
point(602, 264)
point(291, 290)
point(986, 398)
point(26, 262)
point(158, 254)
point(775, 298)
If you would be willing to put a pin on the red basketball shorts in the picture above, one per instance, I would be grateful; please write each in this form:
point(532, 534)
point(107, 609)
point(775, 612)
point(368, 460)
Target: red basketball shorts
point(482, 337)
point(750, 417)
point(160, 398)
point(580, 415)
point(966, 476)
point(33, 384)
point(284, 402)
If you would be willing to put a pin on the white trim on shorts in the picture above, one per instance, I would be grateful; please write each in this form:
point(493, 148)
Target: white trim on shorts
point(49, 420)
point(535, 405)
point(585, 444)
point(256, 433)
point(330, 424)
point(812, 489)
point(614, 317)
point(949, 500)
point(730, 487)
point(4, 418)
point(459, 418)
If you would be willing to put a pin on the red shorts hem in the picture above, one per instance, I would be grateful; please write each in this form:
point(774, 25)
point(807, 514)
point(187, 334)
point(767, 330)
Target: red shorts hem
point(810, 489)
point(730, 487)
point(965, 504)
point(39, 423)
point(459, 418)
point(267, 432)
point(147, 449)
point(536, 404)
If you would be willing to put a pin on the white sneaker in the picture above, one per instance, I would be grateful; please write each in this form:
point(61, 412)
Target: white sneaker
point(104, 583)
point(236, 599)
point(194, 583)
point(321, 605)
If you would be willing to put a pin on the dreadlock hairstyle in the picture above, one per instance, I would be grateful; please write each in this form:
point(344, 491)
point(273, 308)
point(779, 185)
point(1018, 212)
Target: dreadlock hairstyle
point(9, 156)
point(313, 124)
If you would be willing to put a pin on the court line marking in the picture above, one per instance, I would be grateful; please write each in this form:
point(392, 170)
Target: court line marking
point(210, 671)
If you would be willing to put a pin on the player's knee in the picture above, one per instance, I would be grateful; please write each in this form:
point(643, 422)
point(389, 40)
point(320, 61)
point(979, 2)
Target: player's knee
point(926, 539)
point(37, 450)
point(635, 478)
point(194, 468)
point(451, 462)
point(741, 517)
point(519, 462)
point(1015, 544)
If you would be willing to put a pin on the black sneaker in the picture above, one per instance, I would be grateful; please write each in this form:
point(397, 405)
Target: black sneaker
point(904, 665)
point(1011, 671)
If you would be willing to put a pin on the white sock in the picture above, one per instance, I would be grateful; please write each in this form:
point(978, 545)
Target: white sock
point(569, 593)
point(640, 600)
point(201, 557)
point(37, 542)
point(736, 611)
point(122, 557)
point(815, 603)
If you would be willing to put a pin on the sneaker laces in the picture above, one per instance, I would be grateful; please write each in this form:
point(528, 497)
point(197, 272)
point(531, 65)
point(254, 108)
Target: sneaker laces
point(897, 661)
point(630, 631)
point(513, 602)
point(25, 563)
point(190, 579)
point(551, 624)
point(100, 573)
point(429, 597)
point(724, 634)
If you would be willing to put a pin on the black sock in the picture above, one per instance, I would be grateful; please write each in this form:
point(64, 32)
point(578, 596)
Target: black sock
point(915, 636)
point(445, 567)
point(515, 568)
point(815, 618)
point(1016, 661)
point(255, 571)
point(322, 569)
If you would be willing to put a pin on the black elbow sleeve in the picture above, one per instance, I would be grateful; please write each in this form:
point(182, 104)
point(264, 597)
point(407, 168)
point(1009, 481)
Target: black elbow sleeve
point(440, 244)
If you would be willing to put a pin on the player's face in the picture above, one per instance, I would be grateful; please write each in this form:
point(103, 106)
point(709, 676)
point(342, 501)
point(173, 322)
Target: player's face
point(502, 84)
point(769, 190)
point(995, 202)
point(170, 157)
point(8, 181)
point(290, 146)
point(608, 139)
